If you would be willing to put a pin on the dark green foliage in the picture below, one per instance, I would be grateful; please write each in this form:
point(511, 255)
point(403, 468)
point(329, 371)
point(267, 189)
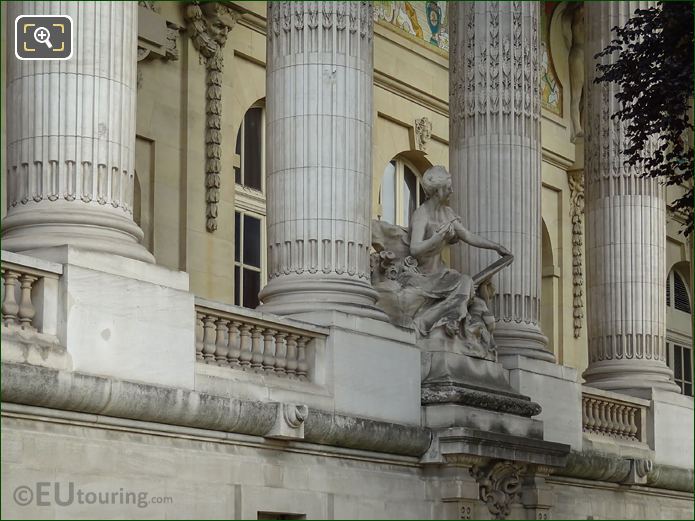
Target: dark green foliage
point(654, 70)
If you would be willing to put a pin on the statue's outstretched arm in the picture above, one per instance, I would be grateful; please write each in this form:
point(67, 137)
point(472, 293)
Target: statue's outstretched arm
point(473, 239)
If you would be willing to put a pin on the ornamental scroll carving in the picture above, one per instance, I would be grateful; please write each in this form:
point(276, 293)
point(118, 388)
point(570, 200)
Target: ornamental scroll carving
point(208, 25)
point(499, 484)
point(576, 183)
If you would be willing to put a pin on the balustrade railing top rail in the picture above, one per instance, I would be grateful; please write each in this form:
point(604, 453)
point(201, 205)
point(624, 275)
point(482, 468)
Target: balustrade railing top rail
point(613, 415)
point(248, 340)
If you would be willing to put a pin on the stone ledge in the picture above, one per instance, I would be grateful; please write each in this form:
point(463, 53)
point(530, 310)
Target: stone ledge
point(464, 446)
point(600, 466)
point(79, 392)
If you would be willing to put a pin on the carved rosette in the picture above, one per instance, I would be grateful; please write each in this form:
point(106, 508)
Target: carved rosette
point(209, 25)
point(576, 184)
point(499, 484)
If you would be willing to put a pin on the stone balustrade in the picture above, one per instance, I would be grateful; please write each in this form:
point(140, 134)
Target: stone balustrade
point(246, 340)
point(29, 294)
point(622, 418)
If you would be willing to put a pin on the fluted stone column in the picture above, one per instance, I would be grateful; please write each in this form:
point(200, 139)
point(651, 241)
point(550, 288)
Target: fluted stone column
point(319, 139)
point(71, 135)
point(626, 236)
point(495, 157)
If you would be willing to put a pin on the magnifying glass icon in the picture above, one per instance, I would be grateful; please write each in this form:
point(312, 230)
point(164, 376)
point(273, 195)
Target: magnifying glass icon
point(43, 35)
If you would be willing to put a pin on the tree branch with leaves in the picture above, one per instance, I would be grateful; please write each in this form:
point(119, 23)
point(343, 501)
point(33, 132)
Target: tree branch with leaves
point(654, 70)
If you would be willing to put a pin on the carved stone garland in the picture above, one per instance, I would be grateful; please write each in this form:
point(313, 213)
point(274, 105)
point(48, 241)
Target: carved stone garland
point(423, 133)
point(209, 24)
point(576, 183)
point(499, 483)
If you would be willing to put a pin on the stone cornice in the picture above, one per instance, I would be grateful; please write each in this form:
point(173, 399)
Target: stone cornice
point(84, 393)
point(601, 466)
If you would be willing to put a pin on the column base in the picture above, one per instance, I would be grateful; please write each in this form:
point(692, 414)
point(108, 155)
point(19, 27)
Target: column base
point(624, 375)
point(292, 294)
point(520, 339)
point(83, 225)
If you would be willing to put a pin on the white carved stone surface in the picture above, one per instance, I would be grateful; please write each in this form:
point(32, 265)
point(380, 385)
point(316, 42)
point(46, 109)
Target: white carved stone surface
point(626, 237)
point(319, 121)
point(495, 157)
point(71, 136)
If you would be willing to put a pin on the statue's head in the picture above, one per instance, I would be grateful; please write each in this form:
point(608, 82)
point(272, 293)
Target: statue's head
point(436, 182)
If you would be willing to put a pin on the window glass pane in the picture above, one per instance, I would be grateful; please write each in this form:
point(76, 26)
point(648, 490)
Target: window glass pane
point(388, 194)
point(237, 236)
point(252, 285)
point(237, 150)
point(252, 241)
point(252, 154)
point(688, 389)
point(236, 285)
point(409, 194)
point(680, 294)
point(687, 365)
point(677, 363)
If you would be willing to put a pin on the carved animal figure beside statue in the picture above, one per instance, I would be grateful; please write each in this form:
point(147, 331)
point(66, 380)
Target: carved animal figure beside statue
point(417, 289)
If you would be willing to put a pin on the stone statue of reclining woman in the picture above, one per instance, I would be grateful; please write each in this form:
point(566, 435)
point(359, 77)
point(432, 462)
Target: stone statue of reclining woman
point(416, 289)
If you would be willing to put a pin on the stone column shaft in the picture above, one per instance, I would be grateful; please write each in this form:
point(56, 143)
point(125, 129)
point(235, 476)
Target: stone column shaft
point(319, 127)
point(626, 235)
point(495, 157)
point(71, 135)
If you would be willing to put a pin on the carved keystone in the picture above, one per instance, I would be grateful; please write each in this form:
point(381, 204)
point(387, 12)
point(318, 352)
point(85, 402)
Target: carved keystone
point(499, 483)
point(639, 468)
point(289, 422)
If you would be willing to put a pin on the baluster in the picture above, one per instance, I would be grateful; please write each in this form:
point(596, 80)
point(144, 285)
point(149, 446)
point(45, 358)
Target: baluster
point(2, 288)
point(292, 356)
point(633, 424)
point(234, 344)
point(27, 311)
point(302, 365)
point(602, 423)
point(245, 346)
point(626, 422)
point(585, 414)
point(9, 305)
point(269, 351)
point(591, 414)
point(222, 343)
point(617, 413)
point(209, 339)
point(280, 354)
point(612, 410)
point(199, 333)
point(257, 349)
point(618, 420)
